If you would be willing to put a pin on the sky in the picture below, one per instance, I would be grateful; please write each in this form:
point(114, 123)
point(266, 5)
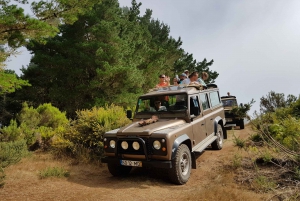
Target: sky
point(255, 44)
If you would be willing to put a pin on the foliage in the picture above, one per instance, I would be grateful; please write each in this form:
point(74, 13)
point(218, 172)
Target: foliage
point(53, 172)
point(85, 134)
point(9, 82)
point(238, 142)
point(38, 124)
point(241, 110)
point(273, 100)
point(263, 184)
point(119, 55)
point(187, 62)
point(11, 153)
point(17, 26)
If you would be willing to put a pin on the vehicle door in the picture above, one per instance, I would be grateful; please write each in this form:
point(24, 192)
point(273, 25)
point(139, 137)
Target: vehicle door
point(198, 121)
point(215, 110)
point(204, 99)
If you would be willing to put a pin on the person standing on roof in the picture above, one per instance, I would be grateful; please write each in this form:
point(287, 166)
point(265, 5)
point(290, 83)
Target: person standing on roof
point(192, 79)
point(201, 80)
point(164, 81)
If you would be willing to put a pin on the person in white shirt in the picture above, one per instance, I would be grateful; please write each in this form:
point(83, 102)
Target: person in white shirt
point(192, 79)
point(158, 107)
point(204, 76)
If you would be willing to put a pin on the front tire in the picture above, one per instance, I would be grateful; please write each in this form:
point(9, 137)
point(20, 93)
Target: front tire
point(181, 165)
point(218, 143)
point(118, 170)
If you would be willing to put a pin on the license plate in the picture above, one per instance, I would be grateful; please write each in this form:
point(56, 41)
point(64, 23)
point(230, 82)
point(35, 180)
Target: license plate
point(131, 163)
point(228, 119)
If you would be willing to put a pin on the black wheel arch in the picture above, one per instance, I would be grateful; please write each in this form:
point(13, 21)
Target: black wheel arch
point(219, 120)
point(183, 139)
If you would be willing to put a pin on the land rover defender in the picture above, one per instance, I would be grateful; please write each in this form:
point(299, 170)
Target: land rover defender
point(187, 121)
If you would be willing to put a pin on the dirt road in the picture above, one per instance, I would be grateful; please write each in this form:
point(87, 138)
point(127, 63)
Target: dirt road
point(210, 181)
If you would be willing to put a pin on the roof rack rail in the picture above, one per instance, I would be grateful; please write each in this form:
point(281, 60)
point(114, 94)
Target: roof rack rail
point(209, 86)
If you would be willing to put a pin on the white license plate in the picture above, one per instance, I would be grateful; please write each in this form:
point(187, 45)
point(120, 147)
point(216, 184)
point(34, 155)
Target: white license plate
point(131, 163)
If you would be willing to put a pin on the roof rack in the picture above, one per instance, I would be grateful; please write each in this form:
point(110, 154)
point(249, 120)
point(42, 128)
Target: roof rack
point(176, 87)
point(228, 97)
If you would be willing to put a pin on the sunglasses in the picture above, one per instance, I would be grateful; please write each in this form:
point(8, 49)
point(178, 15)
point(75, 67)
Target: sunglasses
point(162, 77)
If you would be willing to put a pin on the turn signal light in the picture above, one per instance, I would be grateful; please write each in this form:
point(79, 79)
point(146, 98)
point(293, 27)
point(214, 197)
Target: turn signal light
point(163, 149)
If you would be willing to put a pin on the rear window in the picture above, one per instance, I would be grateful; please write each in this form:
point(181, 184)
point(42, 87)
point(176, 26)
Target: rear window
point(229, 103)
point(204, 101)
point(214, 98)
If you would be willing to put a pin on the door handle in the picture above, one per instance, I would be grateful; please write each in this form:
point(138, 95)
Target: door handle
point(202, 124)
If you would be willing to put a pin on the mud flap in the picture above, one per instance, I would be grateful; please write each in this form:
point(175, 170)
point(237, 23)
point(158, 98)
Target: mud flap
point(194, 166)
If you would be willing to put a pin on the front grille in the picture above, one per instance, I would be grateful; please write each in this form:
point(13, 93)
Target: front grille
point(143, 142)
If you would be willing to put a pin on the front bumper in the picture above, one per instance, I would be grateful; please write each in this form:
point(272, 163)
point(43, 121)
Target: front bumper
point(145, 163)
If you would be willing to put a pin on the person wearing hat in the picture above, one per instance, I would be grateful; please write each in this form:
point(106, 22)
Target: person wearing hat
point(182, 77)
point(187, 72)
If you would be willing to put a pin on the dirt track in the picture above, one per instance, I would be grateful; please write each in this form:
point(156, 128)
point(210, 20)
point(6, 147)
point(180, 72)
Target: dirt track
point(210, 181)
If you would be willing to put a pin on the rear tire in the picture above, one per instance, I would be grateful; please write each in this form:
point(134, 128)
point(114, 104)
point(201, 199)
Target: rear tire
point(242, 125)
point(218, 143)
point(181, 165)
point(118, 170)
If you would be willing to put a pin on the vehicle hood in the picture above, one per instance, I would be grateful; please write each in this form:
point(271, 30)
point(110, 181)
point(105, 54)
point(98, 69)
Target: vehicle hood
point(136, 129)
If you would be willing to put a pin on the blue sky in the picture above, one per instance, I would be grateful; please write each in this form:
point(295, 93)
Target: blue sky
point(255, 44)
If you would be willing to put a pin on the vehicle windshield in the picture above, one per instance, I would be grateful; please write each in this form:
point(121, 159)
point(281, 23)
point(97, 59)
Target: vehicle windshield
point(229, 102)
point(155, 104)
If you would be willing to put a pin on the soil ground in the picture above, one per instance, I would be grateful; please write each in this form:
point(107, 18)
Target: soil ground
point(212, 180)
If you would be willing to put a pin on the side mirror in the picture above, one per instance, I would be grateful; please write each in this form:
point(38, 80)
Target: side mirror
point(129, 114)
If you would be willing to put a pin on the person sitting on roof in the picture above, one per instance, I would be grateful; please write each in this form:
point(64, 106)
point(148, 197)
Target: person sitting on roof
point(182, 77)
point(192, 79)
point(164, 81)
point(157, 107)
point(201, 80)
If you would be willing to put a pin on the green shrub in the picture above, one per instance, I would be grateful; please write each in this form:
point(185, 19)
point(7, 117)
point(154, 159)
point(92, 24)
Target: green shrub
point(10, 133)
point(85, 134)
point(12, 152)
point(53, 172)
point(263, 184)
point(237, 161)
point(256, 137)
point(41, 124)
point(238, 142)
point(50, 116)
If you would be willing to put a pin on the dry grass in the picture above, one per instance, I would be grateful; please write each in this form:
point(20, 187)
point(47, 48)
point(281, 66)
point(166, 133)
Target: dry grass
point(214, 179)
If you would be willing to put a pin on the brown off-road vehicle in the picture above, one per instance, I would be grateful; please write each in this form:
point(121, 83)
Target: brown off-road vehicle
point(229, 102)
point(170, 126)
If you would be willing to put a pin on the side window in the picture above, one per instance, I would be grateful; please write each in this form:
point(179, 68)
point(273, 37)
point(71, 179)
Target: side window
point(214, 98)
point(204, 101)
point(194, 106)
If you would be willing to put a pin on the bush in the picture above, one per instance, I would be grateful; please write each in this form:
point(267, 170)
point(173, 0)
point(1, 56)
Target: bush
point(86, 132)
point(10, 133)
point(53, 172)
point(11, 153)
point(37, 126)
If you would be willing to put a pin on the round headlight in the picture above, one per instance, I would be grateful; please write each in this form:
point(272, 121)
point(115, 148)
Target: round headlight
point(124, 145)
point(136, 145)
point(112, 144)
point(156, 145)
